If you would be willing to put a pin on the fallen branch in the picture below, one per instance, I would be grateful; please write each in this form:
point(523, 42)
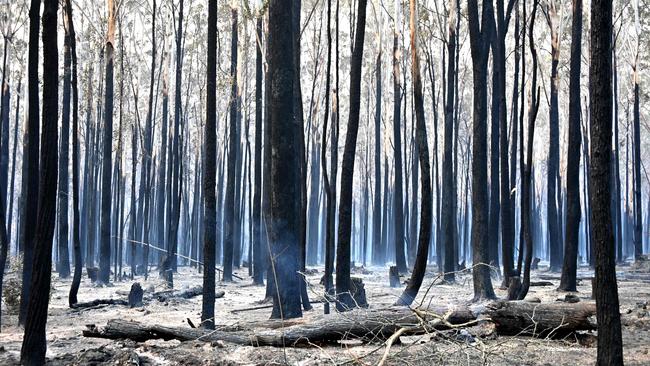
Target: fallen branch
point(516, 317)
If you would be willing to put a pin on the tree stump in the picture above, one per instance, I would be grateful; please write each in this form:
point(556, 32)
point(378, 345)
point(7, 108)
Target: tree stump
point(535, 264)
point(92, 273)
point(513, 287)
point(135, 296)
point(358, 291)
point(393, 276)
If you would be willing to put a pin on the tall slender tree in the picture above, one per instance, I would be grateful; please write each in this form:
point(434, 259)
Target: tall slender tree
point(345, 300)
point(30, 175)
point(419, 267)
point(610, 344)
point(258, 274)
point(63, 193)
point(34, 342)
point(479, 41)
point(107, 146)
point(285, 172)
point(76, 241)
point(569, 267)
point(230, 217)
point(209, 174)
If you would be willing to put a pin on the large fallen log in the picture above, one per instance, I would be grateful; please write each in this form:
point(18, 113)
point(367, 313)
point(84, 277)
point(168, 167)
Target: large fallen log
point(91, 304)
point(516, 317)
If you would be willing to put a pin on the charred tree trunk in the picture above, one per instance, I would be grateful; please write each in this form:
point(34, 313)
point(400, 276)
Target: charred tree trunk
point(528, 191)
point(63, 266)
point(553, 181)
point(610, 345)
point(230, 219)
point(419, 267)
point(34, 342)
point(448, 220)
point(285, 172)
point(209, 175)
point(105, 244)
point(398, 206)
point(569, 267)
point(479, 42)
point(258, 274)
point(345, 301)
point(31, 175)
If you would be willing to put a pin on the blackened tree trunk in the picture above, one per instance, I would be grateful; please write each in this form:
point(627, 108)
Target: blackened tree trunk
point(329, 186)
point(5, 96)
point(568, 278)
point(448, 219)
point(64, 149)
point(76, 242)
point(398, 205)
point(419, 268)
point(258, 267)
point(479, 42)
point(507, 229)
point(230, 219)
point(285, 207)
point(209, 174)
point(107, 145)
point(34, 343)
point(636, 151)
point(553, 181)
point(528, 190)
point(610, 345)
point(345, 301)
point(31, 175)
point(377, 203)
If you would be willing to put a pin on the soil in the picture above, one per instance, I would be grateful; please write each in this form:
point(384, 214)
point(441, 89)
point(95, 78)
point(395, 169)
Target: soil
point(67, 346)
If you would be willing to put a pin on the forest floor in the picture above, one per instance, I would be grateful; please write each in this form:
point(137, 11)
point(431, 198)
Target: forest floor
point(67, 346)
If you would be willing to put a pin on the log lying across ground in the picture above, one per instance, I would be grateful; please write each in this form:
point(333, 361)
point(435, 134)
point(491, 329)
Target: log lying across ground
point(509, 318)
point(160, 296)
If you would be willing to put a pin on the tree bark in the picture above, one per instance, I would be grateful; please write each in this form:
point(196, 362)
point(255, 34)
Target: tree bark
point(347, 169)
point(285, 205)
point(610, 345)
point(209, 175)
point(479, 41)
point(569, 267)
point(419, 267)
point(30, 175)
point(34, 342)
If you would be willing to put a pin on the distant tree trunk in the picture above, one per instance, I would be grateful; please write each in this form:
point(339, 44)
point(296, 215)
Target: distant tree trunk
point(329, 185)
point(258, 267)
point(554, 146)
point(286, 174)
point(229, 209)
point(610, 345)
point(145, 173)
point(514, 120)
point(63, 191)
point(12, 186)
point(494, 190)
point(479, 41)
point(448, 219)
point(419, 267)
point(507, 219)
point(528, 189)
point(5, 95)
point(377, 204)
point(345, 301)
point(31, 174)
point(34, 342)
point(636, 150)
point(398, 206)
point(569, 267)
point(209, 175)
point(176, 158)
point(105, 246)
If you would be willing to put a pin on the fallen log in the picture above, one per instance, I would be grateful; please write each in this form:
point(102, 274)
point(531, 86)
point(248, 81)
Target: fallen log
point(90, 304)
point(184, 294)
point(509, 318)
